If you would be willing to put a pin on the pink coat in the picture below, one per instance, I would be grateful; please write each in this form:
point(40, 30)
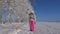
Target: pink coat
point(31, 22)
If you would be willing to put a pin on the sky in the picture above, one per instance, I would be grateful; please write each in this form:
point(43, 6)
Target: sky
point(46, 10)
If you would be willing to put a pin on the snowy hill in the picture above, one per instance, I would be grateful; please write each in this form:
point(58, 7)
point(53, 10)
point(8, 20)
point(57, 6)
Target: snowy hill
point(16, 8)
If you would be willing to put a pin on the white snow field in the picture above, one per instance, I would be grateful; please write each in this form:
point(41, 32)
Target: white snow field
point(40, 28)
point(47, 28)
point(14, 28)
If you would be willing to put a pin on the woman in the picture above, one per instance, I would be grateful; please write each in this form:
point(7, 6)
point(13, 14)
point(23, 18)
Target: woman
point(31, 22)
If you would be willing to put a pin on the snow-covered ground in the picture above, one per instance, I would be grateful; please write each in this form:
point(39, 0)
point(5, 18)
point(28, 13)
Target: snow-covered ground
point(47, 28)
point(40, 28)
point(14, 28)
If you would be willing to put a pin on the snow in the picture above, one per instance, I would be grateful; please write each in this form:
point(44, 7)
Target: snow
point(14, 28)
point(23, 28)
point(47, 28)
